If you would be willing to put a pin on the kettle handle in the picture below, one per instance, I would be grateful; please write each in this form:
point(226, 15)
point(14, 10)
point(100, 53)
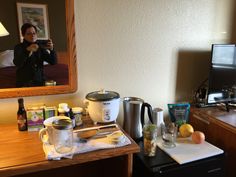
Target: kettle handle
point(149, 107)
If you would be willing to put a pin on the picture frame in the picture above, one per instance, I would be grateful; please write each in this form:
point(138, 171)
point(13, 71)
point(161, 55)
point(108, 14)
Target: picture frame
point(36, 14)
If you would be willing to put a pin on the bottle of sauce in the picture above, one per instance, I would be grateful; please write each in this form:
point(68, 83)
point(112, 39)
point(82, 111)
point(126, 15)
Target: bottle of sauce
point(63, 110)
point(72, 117)
point(21, 116)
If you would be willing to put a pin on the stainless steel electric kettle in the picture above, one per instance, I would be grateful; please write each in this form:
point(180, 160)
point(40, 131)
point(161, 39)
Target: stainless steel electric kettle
point(133, 119)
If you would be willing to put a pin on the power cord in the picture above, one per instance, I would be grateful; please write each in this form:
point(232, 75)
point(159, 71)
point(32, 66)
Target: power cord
point(201, 93)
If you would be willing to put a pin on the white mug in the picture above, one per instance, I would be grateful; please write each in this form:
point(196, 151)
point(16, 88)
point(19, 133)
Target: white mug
point(46, 134)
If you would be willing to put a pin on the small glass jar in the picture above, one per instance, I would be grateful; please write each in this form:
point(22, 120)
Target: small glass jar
point(62, 135)
point(77, 111)
point(149, 139)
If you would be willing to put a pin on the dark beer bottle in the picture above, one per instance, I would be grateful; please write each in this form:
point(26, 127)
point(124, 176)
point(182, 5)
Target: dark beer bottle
point(21, 116)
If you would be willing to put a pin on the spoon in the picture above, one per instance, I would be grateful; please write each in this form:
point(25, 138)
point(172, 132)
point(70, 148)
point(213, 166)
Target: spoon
point(116, 137)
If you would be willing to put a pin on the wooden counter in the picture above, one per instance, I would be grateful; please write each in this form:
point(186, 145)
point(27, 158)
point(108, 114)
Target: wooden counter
point(21, 154)
point(219, 127)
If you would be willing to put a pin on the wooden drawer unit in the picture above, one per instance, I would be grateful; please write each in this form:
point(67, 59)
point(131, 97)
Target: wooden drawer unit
point(219, 127)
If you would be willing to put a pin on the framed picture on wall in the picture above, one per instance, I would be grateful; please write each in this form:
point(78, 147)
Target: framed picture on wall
point(36, 14)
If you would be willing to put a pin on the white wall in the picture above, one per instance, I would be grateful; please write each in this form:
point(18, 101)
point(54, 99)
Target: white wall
point(157, 50)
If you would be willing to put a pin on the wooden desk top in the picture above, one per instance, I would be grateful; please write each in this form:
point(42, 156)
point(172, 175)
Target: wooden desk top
point(22, 152)
point(218, 114)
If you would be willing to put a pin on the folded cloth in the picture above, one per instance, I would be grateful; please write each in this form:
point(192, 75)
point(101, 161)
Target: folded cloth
point(51, 154)
point(81, 146)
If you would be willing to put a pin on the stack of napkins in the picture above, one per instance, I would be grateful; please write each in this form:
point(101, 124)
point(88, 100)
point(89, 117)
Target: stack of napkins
point(85, 146)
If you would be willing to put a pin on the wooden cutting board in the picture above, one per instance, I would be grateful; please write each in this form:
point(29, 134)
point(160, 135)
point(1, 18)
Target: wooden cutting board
point(187, 151)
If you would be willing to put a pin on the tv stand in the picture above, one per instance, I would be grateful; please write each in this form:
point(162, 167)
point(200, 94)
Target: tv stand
point(219, 128)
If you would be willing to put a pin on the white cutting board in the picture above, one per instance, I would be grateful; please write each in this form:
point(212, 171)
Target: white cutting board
point(187, 151)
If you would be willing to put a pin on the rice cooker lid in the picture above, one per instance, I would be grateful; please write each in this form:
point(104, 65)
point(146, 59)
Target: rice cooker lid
point(102, 95)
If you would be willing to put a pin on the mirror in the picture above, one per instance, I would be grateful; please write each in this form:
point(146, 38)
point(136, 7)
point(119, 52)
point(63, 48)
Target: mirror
point(69, 55)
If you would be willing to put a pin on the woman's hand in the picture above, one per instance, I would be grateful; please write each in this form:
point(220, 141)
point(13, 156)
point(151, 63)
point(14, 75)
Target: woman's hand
point(32, 47)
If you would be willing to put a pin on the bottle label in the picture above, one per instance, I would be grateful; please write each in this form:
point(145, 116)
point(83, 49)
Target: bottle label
point(21, 121)
point(78, 120)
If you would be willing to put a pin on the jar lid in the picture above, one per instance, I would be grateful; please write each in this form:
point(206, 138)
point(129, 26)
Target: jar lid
point(150, 128)
point(77, 110)
point(102, 95)
point(62, 124)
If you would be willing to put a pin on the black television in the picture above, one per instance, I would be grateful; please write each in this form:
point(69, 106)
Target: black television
point(222, 76)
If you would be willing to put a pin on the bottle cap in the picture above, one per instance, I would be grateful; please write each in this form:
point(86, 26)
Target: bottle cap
point(20, 100)
point(63, 107)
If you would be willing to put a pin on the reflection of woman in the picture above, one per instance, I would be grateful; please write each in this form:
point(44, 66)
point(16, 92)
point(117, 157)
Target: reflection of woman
point(29, 57)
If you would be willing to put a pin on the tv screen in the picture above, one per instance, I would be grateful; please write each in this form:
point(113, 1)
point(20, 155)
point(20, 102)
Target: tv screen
point(222, 77)
point(223, 55)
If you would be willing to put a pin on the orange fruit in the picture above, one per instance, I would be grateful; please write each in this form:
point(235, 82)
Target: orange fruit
point(198, 137)
point(186, 130)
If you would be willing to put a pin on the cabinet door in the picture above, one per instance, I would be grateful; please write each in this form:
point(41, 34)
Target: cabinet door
point(224, 138)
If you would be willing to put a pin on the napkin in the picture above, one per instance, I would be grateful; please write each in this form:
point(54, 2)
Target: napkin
point(81, 146)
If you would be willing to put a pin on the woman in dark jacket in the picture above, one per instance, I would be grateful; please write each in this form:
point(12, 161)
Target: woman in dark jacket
point(29, 57)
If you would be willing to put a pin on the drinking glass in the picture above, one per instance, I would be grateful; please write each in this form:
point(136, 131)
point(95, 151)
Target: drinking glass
point(63, 135)
point(169, 133)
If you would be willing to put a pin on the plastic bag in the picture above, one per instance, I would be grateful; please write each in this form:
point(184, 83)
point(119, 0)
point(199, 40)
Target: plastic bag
point(179, 113)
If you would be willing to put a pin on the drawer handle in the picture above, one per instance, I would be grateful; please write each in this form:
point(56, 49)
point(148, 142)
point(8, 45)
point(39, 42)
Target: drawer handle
point(213, 170)
point(201, 119)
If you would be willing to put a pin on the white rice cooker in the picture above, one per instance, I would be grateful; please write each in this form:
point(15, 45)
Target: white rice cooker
point(103, 106)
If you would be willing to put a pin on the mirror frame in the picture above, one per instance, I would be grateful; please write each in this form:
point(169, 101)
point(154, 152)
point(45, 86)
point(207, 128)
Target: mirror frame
point(72, 64)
